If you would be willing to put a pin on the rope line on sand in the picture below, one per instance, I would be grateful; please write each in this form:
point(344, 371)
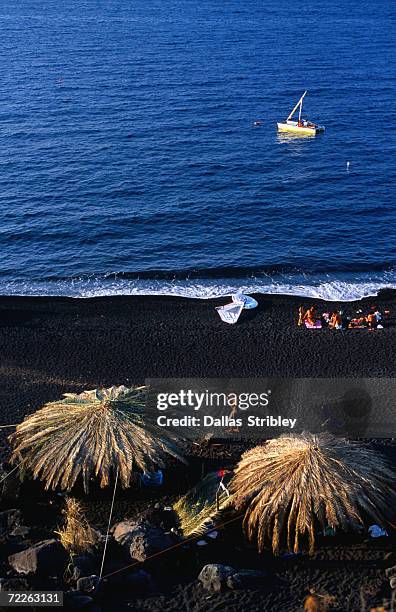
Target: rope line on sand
point(13, 470)
point(182, 543)
point(108, 525)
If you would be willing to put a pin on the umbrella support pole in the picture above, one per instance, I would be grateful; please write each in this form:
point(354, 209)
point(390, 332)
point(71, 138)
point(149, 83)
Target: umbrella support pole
point(108, 527)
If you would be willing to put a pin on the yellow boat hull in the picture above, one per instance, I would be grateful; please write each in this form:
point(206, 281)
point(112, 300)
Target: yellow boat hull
point(295, 129)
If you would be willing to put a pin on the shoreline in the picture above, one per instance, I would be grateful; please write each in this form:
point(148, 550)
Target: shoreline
point(380, 294)
point(383, 294)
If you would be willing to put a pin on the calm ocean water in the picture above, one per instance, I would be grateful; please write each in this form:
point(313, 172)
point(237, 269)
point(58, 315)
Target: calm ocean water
point(129, 162)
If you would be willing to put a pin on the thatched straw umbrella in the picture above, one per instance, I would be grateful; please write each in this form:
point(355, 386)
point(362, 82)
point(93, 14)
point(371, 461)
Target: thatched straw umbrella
point(92, 433)
point(296, 484)
point(202, 505)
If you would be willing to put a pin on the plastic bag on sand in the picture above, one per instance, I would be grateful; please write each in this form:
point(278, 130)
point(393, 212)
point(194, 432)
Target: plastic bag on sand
point(152, 479)
point(376, 531)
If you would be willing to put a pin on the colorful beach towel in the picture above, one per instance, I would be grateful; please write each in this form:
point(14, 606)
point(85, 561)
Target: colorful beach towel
point(317, 325)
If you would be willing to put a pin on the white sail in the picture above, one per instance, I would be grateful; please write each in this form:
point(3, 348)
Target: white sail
point(299, 104)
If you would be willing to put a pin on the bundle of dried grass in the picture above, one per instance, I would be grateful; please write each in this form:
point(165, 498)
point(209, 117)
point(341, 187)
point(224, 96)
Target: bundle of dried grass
point(295, 484)
point(94, 433)
point(202, 504)
point(76, 535)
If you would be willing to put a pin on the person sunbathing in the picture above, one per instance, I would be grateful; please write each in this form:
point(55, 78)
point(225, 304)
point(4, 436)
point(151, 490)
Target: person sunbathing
point(300, 316)
point(357, 322)
point(378, 315)
point(335, 321)
point(325, 319)
point(371, 320)
point(309, 316)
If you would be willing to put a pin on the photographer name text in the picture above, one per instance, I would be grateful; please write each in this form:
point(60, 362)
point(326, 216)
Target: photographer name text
point(225, 421)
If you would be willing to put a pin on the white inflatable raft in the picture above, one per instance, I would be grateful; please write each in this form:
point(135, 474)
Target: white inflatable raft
point(230, 313)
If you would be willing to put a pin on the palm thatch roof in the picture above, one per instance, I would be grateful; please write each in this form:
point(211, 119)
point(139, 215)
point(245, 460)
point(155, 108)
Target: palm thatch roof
point(295, 484)
point(200, 506)
point(94, 433)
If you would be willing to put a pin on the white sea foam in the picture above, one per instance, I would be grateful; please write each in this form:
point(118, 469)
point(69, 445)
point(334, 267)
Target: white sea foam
point(327, 287)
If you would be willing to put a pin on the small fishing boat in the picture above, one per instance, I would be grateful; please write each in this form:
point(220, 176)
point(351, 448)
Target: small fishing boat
point(302, 126)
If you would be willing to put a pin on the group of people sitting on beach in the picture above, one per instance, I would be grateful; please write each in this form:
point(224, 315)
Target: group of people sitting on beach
point(337, 320)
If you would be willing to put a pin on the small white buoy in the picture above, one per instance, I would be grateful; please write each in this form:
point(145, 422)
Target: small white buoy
point(348, 164)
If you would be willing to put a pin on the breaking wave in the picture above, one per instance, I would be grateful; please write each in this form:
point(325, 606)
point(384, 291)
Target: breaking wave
point(343, 287)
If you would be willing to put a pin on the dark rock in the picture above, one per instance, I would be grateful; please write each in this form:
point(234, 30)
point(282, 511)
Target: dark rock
point(141, 540)
point(20, 531)
point(83, 565)
point(168, 519)
point(158, 516)
point(135, 582)
point(9, 519)
point(390, 571)
point(217, 577)
point(44, 558)
point(246, 579)
point(88, 584)
point(140, 582)
point(114, 572)
point(14, 584)
point(75, 601)
point(10, 546)
point(214, 576)
point(10, 485)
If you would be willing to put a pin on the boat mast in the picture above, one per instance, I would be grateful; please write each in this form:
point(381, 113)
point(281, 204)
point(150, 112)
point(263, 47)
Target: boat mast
point(299, 104)
point(299, 114)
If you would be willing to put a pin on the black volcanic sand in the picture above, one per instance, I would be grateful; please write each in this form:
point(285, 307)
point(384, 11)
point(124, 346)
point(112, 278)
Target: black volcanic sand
point(50, 346)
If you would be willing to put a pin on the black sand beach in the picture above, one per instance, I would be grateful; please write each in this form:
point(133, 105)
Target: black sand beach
point(50, 346)
point(126, 339)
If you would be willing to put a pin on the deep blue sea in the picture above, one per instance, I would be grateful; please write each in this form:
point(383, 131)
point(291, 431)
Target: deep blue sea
point(130, 162)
